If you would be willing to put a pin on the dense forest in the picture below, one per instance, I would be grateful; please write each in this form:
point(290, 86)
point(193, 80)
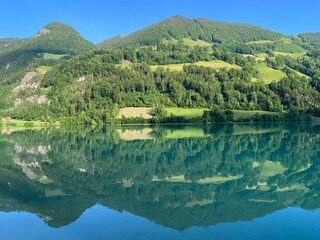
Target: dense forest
point(93, 85)
point(180, 27)
point(226, 67)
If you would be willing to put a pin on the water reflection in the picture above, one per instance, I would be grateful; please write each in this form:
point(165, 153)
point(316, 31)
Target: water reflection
point(176, 176)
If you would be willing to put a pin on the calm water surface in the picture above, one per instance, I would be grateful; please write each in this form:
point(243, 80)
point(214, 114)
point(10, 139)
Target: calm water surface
point(246, 181)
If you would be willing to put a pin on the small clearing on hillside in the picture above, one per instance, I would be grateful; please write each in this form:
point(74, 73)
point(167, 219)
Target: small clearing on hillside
point(192, 43)
point(26, 82)
point(42, 32)
point(43, 69)
point(268, 74)
point(143, 112)
point(293, 55)
point(260, 42)
point(217, 64)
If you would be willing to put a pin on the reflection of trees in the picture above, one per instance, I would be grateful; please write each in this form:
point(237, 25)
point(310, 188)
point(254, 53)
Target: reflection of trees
point(236, 172)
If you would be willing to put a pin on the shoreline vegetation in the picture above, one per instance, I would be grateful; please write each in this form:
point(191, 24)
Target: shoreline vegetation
point(162, 115)
point(167, 115)
point(173, 115)
point(6, 126)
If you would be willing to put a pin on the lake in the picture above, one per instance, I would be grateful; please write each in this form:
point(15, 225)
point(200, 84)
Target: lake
point(219, 181)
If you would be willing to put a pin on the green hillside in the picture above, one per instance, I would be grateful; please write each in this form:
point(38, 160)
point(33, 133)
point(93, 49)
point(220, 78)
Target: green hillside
point(8, 43)
point(197, 29)
point(310, 38)
point(190, 63)
point(26, 55)
point(216, 64)
point(269, 74)
point(93, 86)
point(57, 38)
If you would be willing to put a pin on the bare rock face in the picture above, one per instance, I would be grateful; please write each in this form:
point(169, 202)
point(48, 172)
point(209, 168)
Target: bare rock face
point(26, 82)
point(39, 99)
point(42, 32)
point(29, 83)
point(34, 98)
point(81, 79)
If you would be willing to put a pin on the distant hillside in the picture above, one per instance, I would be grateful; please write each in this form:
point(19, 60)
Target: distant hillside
point(7, 43)
point(203, 29)
point(190, 63)
point(313, 38)
point(57, 38)
point(91, 87)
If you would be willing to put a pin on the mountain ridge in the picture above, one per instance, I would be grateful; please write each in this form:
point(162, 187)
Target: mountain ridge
point(177, 17)
point(179, 27)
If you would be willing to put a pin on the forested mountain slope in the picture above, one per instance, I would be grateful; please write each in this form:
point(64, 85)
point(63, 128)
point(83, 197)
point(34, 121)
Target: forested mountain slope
point(55, 38)
point(180, 27)
point(93, 85)
point(7, 43)
point(312, 38)
point(190, 63)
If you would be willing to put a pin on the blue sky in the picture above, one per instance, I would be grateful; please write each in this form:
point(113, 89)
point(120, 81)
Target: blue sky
point(97, 20)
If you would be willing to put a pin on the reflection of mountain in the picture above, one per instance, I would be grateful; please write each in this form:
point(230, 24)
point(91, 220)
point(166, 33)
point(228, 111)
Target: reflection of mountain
point(235, 172)
point(130, 133)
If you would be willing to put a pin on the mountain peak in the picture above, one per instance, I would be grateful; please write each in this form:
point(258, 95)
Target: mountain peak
point(59, 26)
point(56, 24)
point(177, 17)
point(58, 38)
point(42, 32)
point(179, 27)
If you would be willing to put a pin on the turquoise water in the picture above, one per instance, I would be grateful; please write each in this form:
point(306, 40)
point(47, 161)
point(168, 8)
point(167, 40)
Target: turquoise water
point(228, 181)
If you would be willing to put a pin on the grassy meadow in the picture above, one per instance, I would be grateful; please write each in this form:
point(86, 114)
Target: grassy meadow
point(260, 42)
point(43, 69)
point(293, 55)
point(47, 56)
point(198, 112)
point(217, 64)
point(185, 112)
point(268, 74)
point(192, 43)
point(21, 124)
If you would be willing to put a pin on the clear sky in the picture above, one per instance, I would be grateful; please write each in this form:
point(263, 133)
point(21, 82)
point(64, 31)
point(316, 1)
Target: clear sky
point(97, 20)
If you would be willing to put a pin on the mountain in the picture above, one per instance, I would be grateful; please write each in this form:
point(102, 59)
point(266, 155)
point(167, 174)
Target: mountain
point(190, 63)
point(57, 38)
point(197, 29)
point(33, 56)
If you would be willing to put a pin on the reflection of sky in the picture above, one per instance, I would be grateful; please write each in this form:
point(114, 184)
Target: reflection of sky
point(103, 223)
